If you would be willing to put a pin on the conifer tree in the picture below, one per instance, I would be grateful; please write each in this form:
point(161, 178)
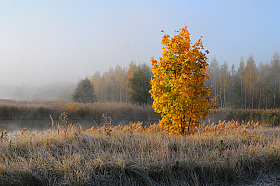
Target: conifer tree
point(84, 92)
point(139, 84)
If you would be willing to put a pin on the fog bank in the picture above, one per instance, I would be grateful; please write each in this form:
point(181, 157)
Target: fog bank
point(30, 92)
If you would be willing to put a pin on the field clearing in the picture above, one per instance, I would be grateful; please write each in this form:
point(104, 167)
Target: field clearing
point(137, 155)
point(42, 109)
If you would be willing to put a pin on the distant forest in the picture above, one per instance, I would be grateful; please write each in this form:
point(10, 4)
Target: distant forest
point(124, 85)
point(247, 86)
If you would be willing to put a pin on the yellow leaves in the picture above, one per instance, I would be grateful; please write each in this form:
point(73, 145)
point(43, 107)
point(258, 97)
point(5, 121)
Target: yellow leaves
point(182, 72)
point(153, 61)
point(165, 40)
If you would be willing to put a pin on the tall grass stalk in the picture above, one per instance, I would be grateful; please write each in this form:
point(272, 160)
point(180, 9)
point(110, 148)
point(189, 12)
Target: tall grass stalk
point(139, 155)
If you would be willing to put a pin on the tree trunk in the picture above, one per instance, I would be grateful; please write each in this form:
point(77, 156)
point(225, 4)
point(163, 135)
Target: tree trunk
point(224, 95)
point(245, 99)
point(260, 97)
point(120, 93)
point(253, 99)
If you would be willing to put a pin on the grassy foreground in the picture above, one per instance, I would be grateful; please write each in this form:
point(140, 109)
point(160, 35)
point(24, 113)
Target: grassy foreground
point(137, 155)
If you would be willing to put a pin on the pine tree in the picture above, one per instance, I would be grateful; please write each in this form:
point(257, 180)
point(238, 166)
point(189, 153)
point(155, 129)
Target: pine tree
point(139, 85)
point(84, 92)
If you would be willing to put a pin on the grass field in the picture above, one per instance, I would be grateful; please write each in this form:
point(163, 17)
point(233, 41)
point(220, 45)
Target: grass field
point(38, 109)
point(42, 109)
point(137, 155)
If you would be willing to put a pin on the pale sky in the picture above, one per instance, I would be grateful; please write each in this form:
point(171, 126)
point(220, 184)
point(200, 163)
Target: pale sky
point(66, 40)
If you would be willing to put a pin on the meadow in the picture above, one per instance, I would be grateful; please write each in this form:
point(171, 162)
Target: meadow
point(227, 153)
point(41, 109)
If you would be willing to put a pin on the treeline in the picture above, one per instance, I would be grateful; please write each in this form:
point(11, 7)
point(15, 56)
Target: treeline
point(247, 87)
point(127, 85)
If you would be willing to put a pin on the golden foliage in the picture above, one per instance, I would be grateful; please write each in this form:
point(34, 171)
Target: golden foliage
point(178, 86)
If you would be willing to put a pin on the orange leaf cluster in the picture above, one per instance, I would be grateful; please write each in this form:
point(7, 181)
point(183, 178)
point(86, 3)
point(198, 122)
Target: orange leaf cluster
point(178, 81)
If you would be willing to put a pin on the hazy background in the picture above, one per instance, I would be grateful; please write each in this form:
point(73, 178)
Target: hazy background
point(59, 42)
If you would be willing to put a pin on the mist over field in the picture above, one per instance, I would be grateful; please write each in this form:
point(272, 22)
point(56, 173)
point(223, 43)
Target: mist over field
point(30, 92)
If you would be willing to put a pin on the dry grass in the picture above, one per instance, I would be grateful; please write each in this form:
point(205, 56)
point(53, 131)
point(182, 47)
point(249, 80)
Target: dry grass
point(41, 109)
point(138, 155)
